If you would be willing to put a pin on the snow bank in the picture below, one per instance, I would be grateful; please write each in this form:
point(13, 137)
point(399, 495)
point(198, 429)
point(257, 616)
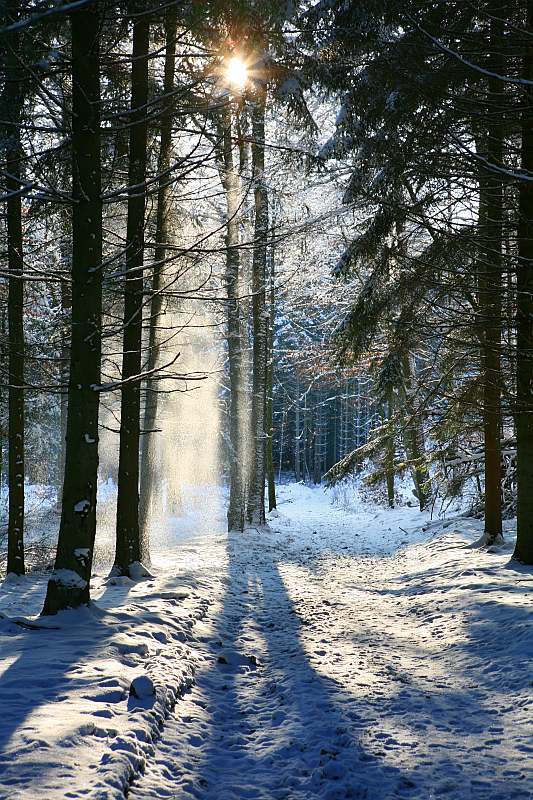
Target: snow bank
point(71, 726)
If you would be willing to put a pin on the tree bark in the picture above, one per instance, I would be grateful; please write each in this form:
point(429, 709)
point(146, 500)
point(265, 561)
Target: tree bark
point(231, 185)
point(66, 304)
point(128, 539)
point(164, 197)
point(414, 438)
point(297, 458)
point(69, 583)
point(524, 320)
point(12, 107)
point(389, 459)
point(490, 296)
point(271, 477)
point(256, 492)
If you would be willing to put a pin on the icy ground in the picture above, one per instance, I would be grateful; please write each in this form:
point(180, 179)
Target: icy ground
point(339, 654)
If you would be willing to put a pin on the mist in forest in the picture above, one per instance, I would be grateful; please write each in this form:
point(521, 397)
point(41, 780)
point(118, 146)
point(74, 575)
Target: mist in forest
point(187, 494)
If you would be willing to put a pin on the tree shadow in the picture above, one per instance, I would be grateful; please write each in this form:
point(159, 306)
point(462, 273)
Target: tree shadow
point(277, 727)
point(45, 666)
point(65, 658)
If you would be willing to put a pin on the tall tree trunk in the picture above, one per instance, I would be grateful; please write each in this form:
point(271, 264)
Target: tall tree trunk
point(389, 459)
point(318, 445)
point(3, 425)
point(164, 197)
point(66, 304)
point(271, 477)
point(129, 545)
point(231, 185)
point(256, 491)
point(12, 110)
point(524, 320)
point(305, 438)
point(297, 458)
point(282, 434)
point(490, 297)
point(69, 583)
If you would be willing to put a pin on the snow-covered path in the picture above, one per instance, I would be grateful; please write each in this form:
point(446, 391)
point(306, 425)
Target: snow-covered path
point(329, 668)
point(260, 721)
point(348, 651)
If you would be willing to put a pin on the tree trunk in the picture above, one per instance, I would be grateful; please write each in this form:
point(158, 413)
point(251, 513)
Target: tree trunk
point(231, 185)
point(305, 438)
point(271, 477)
point(320, 439)
point(164, 197)
point(282, 435)
point(524, 321)
point(414, 438)
point(12, 106)
point(66, 304)
point(128, 546)
point(389, 460)
point(69, 583)
point(490, 298)
point(256, 491)
point(297, 459)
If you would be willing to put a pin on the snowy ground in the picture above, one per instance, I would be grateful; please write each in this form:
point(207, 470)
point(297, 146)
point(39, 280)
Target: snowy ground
point(341, 654)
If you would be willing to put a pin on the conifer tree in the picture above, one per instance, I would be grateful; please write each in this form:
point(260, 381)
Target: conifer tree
point(12, 105)
point(69, 583)
point(128, 552)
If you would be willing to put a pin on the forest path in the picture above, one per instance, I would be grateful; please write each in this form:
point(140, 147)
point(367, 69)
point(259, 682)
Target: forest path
point(327, 672)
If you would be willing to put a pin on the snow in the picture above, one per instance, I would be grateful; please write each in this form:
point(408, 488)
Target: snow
point(345, 651)
point(68, 722)
point(138, 571)
point(68, 577)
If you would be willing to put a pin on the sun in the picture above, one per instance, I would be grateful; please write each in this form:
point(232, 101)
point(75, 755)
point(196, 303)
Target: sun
point(236, 72)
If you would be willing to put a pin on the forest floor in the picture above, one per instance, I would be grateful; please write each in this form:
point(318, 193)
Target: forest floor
point(339, 653)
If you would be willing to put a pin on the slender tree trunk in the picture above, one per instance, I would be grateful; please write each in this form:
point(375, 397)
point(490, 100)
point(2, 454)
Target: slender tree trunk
point(389, 460)
point(490, 298)
point(297, 458)
point(256, 493)
point(66, 304)
point(331, 433)
point(128, 547)
point(231, 184)
point(524, 321)
point(12, 108)
point(317, 424)
point(65, 249)
point(282, 436)
point(305, 438)
point(3, 425)
point(414, 438)
point(271, 477)
point(164, 198)
point(69, 583)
